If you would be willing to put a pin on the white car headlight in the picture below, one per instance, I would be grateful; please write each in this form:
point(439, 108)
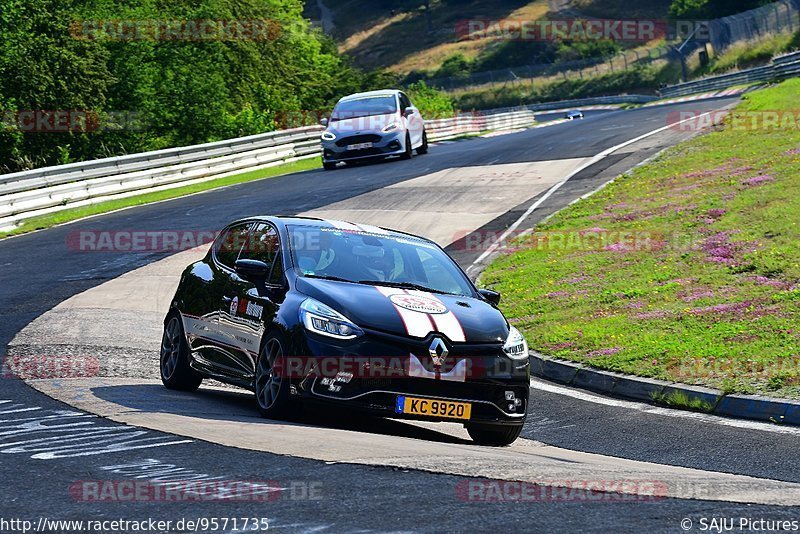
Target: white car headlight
point(391, 127)
point(328, 136)
point(516, 347)
point(324, 320)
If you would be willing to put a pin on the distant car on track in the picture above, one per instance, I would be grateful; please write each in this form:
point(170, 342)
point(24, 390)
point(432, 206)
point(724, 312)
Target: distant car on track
point(356, 316)
point(574, 114)
point(377, 124)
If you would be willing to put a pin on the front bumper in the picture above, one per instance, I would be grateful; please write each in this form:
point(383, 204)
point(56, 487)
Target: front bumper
point(383, 145)
point(368, 374)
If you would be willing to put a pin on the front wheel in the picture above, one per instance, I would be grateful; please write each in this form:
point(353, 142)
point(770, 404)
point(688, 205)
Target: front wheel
point(407, 154)
point(329, 165)
point(271, 386)
point(423, 148)
point(176, 373)
point(495, 436)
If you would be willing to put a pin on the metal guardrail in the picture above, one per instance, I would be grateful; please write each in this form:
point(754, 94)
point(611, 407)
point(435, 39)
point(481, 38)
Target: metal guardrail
point(785, 66)
point(599, 100)
point(41, 191)
point(473, 123)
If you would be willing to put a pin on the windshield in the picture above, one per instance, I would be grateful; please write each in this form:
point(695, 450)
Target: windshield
point(364, 107)
point(363, 257)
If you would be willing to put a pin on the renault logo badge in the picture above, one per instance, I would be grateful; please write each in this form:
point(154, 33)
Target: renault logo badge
point(438, 351)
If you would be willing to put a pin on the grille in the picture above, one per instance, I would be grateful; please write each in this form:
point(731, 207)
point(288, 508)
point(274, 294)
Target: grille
point(355, 139)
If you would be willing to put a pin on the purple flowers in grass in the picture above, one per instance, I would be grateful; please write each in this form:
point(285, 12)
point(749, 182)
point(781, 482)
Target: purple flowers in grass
point(567, 294)
point(722, 309)
point(793, 152)
point(575, 280)
point(604, 352)
point(617, 247)
point(697, 294)
point(764, 281)
point(758, 180)
point(722, 170)
point(720, 250)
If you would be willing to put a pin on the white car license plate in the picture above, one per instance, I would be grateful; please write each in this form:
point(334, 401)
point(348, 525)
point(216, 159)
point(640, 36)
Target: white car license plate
point(359, 146)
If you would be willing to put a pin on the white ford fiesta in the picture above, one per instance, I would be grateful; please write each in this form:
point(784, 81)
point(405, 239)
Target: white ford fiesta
point(373, 125)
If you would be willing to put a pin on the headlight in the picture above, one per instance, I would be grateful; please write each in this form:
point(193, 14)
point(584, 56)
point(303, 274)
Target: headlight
point(391, 127)
point(328, 136)
point(516, 347)
point(326, 321)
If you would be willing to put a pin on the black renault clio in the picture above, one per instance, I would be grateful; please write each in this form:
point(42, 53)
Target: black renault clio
point(357, 316)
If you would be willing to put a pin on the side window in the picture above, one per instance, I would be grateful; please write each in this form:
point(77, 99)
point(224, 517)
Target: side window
point(404, 102)
point(276, 275)
point(263, 244)
point(230, 243)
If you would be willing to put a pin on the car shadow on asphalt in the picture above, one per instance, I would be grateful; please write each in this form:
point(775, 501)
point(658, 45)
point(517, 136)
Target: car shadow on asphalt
point(239, 405)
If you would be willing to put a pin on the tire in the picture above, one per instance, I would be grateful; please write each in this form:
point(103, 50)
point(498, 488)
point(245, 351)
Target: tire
point(272, 390)
point(407, 154)
point(328, 165)
point(423, 148)
point(497, 436)
point(174, 360)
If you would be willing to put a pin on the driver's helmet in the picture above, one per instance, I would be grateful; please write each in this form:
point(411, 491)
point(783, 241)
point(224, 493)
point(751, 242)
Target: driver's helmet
point(373, 258)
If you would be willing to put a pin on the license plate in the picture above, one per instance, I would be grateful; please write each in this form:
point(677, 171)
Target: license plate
point(359, 146)
point(433, 408)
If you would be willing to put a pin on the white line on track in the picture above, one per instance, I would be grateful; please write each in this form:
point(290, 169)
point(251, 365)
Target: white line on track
point(655, 410)
point(599, 157)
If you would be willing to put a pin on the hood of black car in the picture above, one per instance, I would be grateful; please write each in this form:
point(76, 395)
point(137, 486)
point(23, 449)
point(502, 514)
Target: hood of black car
point(412, 314)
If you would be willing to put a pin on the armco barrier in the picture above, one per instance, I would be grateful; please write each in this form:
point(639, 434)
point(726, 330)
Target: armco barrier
point(782, 67)
point(37, 192)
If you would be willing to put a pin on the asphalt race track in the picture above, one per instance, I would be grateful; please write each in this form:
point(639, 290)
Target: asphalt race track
point(51, 452)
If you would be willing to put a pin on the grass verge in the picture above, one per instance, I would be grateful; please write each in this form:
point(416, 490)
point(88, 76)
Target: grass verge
point(686, 269)
point(52, 219)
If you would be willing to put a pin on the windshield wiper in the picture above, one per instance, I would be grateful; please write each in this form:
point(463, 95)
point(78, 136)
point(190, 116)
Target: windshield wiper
point(404, 285)
point(328, 277)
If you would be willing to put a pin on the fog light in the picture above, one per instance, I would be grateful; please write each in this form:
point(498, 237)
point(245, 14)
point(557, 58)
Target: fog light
point(510, 395)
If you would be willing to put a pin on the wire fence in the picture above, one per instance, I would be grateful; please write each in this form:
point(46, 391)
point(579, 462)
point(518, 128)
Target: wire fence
point(775, 18)
point(567, 69)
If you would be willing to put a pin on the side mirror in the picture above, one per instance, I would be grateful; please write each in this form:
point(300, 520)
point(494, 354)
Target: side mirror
point(493, 297)
point(252, 270)
point(408, 112)
point(323, 121)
